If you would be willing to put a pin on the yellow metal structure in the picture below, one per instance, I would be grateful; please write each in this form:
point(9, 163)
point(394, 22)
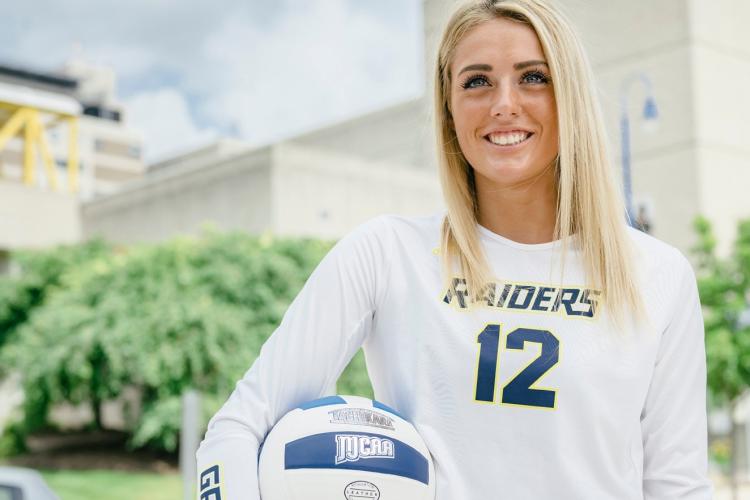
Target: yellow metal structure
point(27, 122)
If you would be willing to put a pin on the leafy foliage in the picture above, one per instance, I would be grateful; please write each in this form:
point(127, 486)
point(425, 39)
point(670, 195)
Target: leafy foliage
point(724, 286)
point(192, 312)
point(39, 273)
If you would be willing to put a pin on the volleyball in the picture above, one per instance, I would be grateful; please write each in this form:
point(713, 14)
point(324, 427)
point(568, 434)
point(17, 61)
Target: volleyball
point(345, 447)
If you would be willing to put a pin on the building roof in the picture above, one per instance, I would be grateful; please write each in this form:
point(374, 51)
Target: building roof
point(64, 83)
point(38, 98)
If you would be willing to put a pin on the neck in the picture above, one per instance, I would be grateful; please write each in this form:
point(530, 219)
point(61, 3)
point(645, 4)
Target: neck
point(524, 213)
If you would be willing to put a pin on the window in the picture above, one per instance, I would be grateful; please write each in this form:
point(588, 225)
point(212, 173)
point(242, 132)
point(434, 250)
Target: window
point(117, 148)
point(8, 492)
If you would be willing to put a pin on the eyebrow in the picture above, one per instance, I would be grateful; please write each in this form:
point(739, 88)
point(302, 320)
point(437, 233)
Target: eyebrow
point(487, 67)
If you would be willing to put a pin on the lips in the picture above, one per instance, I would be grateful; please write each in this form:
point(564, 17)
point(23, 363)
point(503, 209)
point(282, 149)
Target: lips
point(508, 139)
point(508, 131)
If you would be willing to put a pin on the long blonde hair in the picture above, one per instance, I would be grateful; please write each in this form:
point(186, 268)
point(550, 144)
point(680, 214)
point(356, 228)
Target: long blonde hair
point(590, 205)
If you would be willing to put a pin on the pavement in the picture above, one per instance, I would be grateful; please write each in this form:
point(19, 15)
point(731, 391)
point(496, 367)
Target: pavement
point(723, 492)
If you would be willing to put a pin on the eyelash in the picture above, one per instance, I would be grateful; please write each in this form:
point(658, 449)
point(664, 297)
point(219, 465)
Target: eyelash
point(543, 78)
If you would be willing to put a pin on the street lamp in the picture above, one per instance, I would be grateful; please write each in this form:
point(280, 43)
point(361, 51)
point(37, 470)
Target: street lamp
point(650, 116)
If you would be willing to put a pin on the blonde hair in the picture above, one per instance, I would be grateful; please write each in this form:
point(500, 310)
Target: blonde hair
point(589, 204)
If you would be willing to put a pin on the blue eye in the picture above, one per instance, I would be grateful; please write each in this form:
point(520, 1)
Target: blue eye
point(470, 80)
point(536, 77)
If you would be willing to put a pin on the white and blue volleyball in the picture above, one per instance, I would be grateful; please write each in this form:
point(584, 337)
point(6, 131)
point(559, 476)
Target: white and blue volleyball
point(345, 447)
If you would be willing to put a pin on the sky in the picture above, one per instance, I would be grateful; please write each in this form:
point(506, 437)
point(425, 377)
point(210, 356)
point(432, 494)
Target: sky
point(191, 71)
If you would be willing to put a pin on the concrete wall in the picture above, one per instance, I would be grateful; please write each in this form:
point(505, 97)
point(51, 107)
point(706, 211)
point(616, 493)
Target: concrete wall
point(232, 194)
point(619, 30)
point(32, 218)
point(664, 163)
point(220, 149)
point(288, 188)
point(627, 37)
point(697, 54)
point(721, 73)
point(436, 14)
point(399, 134)
point(317, 192)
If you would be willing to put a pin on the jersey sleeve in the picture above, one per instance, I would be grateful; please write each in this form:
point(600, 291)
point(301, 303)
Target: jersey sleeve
point(673, 420)
point(319, 334)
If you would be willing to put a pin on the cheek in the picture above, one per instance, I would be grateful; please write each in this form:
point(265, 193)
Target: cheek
point(554, 132)
point(465, 118)
point(462, 128)
point(466, 139)
point(546, 113)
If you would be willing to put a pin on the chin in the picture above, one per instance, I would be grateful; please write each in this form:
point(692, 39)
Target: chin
point(507, 175)
point(505, 171)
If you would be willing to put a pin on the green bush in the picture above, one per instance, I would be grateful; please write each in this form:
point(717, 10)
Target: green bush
point(724, 286)
point(192, 312)
point(40, 273)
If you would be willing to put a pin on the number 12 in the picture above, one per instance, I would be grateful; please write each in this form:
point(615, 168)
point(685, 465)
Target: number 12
point(518, 391)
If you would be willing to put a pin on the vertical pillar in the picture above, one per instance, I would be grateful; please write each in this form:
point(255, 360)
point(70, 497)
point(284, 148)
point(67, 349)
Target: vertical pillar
point(41, 139)
point(73, 167)
point(189, 440)
point(29, 159)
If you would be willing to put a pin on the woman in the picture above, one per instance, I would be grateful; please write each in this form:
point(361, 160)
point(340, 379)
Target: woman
point(542, 348)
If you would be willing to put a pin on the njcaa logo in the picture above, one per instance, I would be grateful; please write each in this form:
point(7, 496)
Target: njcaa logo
point(361, 416)
point(352, 447)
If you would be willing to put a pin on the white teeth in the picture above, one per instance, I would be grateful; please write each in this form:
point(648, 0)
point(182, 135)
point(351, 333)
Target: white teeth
point(508, 139)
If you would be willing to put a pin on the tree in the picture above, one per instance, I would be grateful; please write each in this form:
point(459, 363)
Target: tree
point(724, 286)
point(40, 273)
point(192, 312)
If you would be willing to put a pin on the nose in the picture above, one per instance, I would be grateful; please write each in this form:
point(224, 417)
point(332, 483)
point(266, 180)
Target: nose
point(505, 101)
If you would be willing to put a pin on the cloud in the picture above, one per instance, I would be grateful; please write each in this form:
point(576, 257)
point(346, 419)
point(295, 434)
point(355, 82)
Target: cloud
point(321, 63)
point(263, 69)
point(164, 118)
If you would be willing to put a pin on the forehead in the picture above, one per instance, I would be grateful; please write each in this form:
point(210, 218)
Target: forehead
point(498, 41)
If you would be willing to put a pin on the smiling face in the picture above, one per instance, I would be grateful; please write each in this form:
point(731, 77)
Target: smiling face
point(503, 105)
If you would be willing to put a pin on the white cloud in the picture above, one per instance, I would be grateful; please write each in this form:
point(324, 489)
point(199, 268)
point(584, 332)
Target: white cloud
point(167, 125)
point(265, 69)
point(127, 60)
point(320, 64)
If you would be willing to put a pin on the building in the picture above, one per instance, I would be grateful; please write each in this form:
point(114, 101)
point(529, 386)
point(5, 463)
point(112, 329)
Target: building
point(318, 184)
point(71, 121)
point(696, 163)
point(108, 152)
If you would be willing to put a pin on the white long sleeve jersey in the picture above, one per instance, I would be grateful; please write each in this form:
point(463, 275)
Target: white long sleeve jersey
point(526, 394)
